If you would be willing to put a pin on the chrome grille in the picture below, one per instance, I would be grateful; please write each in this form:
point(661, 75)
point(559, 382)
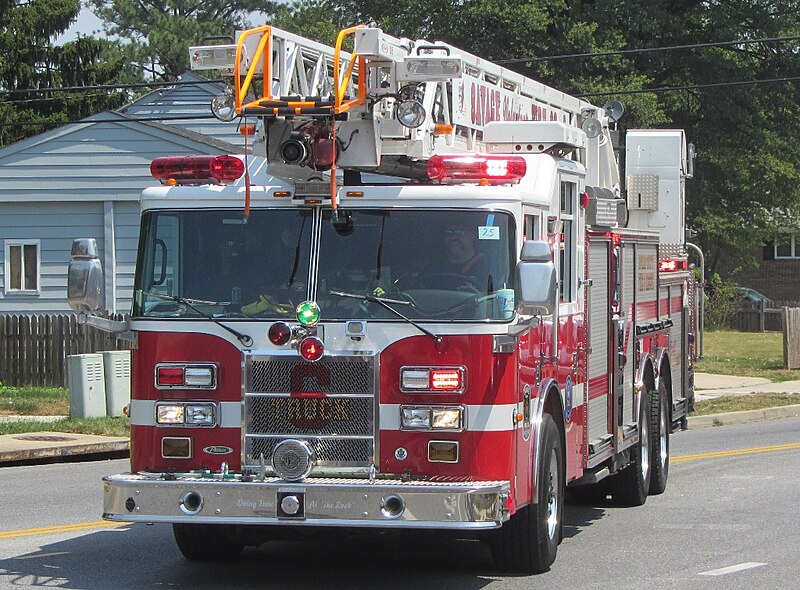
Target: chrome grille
point(330, 452)
point(329, 404)
point(355, 375)
point(332, 415)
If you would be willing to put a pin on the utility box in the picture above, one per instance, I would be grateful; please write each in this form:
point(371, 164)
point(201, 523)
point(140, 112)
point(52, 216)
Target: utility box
point(87, 386)
point(117, 369)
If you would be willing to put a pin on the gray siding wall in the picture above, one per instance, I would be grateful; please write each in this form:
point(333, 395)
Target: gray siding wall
point(83, 180)
point(126, 219)
point(55, 225)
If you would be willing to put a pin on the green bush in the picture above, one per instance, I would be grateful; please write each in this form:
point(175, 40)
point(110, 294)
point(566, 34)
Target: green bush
point(722, 301)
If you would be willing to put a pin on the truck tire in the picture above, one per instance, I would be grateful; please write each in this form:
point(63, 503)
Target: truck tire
point(659, 439)
point(528, 542)
point(630, 486)
point(207, 542)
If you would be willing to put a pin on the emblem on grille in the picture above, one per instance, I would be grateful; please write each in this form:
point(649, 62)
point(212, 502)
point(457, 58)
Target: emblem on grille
point(293, 459)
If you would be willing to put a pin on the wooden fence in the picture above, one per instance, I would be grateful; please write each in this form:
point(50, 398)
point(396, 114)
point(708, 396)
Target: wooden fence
point(34, 348)
point(761, 316)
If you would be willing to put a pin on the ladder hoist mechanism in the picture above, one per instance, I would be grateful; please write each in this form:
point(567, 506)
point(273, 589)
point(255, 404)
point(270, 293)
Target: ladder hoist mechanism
point(391, 104)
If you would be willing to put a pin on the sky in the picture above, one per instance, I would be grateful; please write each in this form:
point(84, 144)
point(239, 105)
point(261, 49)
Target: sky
point(86, 24)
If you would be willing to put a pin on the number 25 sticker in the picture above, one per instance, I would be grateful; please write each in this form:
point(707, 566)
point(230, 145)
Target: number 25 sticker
point(488, 232)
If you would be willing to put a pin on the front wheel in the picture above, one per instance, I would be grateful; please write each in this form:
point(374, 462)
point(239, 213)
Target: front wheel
point(207, 542)
point(528, 542)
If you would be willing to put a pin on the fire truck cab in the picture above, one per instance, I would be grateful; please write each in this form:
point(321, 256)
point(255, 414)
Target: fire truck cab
point(421, 300)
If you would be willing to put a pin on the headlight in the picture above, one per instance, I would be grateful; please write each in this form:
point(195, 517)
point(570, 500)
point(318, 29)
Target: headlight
point(200, 414)
point(449, 418)
point(416, 418)
point(188, 413)
point(431, 418)
point(170, 413)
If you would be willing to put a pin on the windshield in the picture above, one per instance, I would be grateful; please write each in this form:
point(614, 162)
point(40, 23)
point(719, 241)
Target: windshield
point(441, 264)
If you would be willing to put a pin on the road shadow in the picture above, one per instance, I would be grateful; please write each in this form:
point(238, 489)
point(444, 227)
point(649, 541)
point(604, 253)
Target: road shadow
point(583, 508)
point(141, 556)
point(578, 517)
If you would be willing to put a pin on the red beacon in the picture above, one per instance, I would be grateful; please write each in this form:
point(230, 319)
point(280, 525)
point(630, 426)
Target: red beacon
point(482, 168)
point(197, 169)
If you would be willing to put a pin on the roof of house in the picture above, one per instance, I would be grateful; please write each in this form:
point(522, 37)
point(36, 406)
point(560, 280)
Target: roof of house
point(187, 106)
point(104, 157)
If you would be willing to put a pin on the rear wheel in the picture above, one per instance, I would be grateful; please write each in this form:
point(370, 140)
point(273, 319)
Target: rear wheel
point(659, 438)
point(207, 542)
point(528, 542)
point(630, 486)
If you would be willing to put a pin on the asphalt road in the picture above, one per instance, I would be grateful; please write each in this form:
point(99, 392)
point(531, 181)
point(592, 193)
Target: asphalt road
point(725, 521)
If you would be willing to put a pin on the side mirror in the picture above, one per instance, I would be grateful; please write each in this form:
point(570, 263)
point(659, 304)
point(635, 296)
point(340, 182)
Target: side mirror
point(85, 276)
point(536, 280)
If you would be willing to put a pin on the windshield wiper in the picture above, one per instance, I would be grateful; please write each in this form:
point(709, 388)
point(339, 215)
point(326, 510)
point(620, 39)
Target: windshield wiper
point(243, 338)
point(384, 302)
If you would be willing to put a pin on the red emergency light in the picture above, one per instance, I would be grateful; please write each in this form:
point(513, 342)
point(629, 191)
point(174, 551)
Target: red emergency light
point(671, 265)
point(488, 169)
point(311, 348)
point(193, 169)
point(447, 379)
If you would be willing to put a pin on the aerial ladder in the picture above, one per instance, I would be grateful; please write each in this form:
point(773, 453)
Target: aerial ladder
point(390, 104)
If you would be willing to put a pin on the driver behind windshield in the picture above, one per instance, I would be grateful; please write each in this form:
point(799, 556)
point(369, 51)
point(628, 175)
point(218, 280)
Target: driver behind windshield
point(464, 261)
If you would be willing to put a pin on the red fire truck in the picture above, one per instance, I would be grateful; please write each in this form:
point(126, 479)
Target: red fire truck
point(420, 300)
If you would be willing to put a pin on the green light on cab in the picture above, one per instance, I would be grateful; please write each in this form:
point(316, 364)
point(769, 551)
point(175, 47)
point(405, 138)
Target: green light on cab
point(308, 313)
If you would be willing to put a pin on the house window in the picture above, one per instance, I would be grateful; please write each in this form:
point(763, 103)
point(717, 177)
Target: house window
point(22, 266)
point(787, 247)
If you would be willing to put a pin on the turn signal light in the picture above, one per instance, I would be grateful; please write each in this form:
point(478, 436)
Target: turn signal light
point(443, 451)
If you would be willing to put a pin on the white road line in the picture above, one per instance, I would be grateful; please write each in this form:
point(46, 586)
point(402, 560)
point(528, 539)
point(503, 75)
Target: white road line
point(733, 568)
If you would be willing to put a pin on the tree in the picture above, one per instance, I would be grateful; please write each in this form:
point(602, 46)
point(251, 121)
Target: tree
point(746, 182)
point(33, 70)
point(161, 31)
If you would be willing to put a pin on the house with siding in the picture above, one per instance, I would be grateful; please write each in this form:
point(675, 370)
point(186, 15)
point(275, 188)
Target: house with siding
point(84, 180)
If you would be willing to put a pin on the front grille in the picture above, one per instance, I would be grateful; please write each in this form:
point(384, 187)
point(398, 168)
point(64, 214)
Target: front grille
point(352, 375)
point(330, 404)
point(330, 452)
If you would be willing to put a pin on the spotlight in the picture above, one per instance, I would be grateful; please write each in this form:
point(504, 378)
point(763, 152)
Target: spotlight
point(296, 149)
point(223, 106)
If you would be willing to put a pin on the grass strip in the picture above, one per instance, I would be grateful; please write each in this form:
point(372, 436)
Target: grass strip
point(739, 403)
point(100, 426)
point(34, 401)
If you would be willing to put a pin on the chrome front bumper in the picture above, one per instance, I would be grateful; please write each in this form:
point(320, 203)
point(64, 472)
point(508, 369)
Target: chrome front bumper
point(324, 501)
